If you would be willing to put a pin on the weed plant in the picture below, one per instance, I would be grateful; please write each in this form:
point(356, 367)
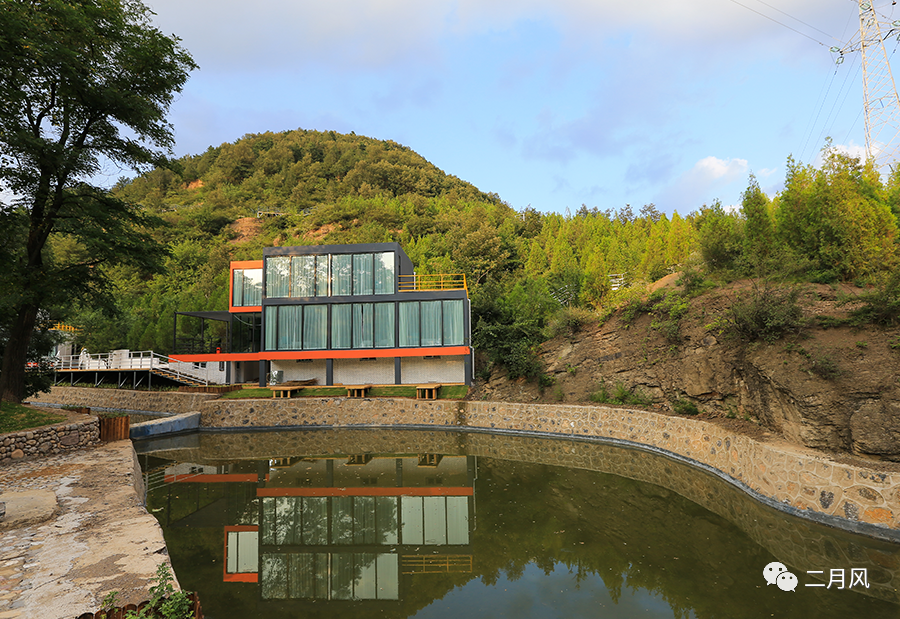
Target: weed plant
point(620, 395)
point(685, 407)
point(767, 312)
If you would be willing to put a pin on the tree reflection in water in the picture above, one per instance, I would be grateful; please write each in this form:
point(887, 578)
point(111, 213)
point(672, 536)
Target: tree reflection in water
point(396, 534)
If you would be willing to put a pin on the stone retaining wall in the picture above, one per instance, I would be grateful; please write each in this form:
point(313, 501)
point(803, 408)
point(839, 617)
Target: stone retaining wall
point(124, 399)
point(788, 475)
point(49, 440)
point(783, 473)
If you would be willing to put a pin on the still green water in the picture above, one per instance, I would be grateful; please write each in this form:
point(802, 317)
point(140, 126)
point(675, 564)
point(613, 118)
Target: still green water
point(439, 524)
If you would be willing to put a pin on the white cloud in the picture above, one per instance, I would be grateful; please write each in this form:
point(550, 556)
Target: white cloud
point(701, 183)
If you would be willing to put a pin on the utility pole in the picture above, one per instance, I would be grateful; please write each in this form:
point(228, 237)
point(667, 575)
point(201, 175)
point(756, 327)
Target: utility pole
point(880, 101)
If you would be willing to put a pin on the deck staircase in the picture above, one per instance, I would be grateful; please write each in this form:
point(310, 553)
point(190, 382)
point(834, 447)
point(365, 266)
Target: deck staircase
point(179, 377)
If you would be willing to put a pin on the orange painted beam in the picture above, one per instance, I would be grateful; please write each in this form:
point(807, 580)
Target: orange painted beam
point(212, 477)
point(364, 491)
point(357, 353)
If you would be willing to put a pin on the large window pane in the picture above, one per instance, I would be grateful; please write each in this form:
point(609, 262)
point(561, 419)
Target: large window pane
point(315, 519)
point(273, 579)
point(315, 327)
point(364, 520)
point(384, 273)
point(322, 275)
point(386, 519)
point(457, 520)
point(342, 520)
point(252, 287)
point(362, 274)
point(453, 323)
point(289, 333)
point(411, 524)
point(388, 576)
point(237, 297)
point(362, 325)
point(303, 276)
point(278, 276)
point(409, 323)
point(272, 328)
point(431, 323)
point(341, 326)
point(340, 274)
point(384, 325)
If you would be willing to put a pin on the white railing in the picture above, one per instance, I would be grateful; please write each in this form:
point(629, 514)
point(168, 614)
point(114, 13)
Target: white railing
point(142, 360)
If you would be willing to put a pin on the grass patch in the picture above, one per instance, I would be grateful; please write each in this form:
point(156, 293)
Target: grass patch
point(620, 394)
point(685, 407)
point(16, 417)
point(452, 392)
point(247, 393)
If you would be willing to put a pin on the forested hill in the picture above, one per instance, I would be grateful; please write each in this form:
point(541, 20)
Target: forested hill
point(331, 188)
point(530, 274)
point(295, 170)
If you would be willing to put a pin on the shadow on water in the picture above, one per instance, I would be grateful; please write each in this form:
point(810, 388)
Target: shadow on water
point(332, 523)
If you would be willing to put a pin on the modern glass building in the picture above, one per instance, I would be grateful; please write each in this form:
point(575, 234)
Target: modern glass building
point(340, 314)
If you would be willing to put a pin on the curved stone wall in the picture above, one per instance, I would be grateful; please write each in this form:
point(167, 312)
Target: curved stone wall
point(795, 479)
point(795, 541)
point(792, 477)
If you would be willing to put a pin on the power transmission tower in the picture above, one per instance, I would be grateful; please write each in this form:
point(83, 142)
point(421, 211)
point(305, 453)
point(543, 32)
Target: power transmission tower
point(880, 101)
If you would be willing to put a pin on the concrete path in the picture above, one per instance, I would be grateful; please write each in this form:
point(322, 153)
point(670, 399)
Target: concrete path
point(86, 534)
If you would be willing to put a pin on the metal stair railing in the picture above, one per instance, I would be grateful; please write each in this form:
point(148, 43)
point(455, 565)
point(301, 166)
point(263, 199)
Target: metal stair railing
point(137, 360)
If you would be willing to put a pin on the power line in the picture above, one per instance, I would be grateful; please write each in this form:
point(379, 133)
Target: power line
point(783, 24)
point(811, 128)
point(799, 20)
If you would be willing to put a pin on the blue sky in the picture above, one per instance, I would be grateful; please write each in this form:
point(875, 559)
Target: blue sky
point(548, 104)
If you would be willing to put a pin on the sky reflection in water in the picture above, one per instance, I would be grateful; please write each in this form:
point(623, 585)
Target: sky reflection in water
point(459, 528)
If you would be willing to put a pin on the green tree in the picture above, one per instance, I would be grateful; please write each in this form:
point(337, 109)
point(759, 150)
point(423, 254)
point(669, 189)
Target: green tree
point(81, 82)
point(759, 231)
point(837, 216)
point(720, 237)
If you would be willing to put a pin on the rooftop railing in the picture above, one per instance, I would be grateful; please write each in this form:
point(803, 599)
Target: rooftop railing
point(439, 281)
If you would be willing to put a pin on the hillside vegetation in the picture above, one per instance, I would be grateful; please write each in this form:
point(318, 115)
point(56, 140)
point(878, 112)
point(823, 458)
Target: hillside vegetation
point(531, 275)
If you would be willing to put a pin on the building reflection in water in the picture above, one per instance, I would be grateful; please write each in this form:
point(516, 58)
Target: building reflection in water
point(339, 528)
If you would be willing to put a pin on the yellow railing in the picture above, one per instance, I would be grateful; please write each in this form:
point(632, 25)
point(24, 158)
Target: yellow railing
point(440, 281)
point(60, 326)
point(435, 564)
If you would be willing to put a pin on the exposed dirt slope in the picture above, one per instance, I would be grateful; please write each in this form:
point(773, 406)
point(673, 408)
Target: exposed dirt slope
point(830, 388)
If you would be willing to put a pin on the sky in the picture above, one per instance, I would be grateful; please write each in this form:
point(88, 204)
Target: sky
point(547, 104)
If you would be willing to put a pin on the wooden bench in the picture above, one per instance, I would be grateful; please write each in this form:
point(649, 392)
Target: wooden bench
point(287, 389)
point(427, 392)
point(357, 391)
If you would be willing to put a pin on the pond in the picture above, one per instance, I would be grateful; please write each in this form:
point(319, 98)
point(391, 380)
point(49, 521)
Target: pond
point(375, 523)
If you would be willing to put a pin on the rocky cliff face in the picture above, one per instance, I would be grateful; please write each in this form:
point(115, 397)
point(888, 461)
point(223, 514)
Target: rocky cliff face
point(830, 388)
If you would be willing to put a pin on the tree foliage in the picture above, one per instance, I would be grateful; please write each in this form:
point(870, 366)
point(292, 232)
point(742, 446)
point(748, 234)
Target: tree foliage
point(82, 83)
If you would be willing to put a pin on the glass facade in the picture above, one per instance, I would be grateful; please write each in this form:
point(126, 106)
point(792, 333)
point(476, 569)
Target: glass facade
point(365, 325)
point(247, 288)
point(325, 275)
point(343, 324)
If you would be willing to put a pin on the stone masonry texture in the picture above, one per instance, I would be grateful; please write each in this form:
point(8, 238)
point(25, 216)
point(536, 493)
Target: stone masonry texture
point(784, 473)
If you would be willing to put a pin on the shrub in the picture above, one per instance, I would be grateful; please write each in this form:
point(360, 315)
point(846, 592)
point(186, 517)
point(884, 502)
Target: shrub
point(881, 306)
point(692, 281)
point(823, 365)
point(685, 407)
point(765, 313)
point(620, 395)
point(667, 309)
point(569, 321)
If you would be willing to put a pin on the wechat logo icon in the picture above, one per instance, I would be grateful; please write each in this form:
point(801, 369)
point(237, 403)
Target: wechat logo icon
point(777, 574)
